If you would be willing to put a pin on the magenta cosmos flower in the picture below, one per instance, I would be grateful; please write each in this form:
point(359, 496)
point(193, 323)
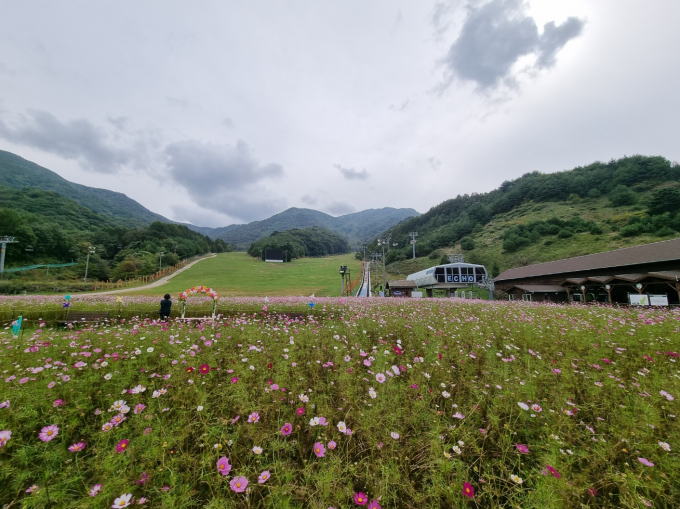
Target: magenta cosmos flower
point(223, 466)
point(319, 450)
point(239, 484)
point(78, 446)
point(286, 429)
point(374, 505)
point(122, 445)
point(234, 380)
point(553, 471)
point(301, 410)
point(468, 490)
point(360, 498)
point(522, 448)
point(49, 432)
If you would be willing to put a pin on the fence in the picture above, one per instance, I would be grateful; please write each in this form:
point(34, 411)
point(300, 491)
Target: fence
point(139, 281)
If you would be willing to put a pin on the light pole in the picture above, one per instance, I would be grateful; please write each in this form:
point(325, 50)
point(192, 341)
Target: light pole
point(160, 258)
point(382, 243)
point(343, 270)
point(90, 250)
point(413, 236)
point(4, 241)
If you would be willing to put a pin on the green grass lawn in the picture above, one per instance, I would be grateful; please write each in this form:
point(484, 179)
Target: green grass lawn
point(237, 275)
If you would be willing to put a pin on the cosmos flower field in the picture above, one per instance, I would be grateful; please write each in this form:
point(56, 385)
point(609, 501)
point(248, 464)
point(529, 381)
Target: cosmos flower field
point(377, 403)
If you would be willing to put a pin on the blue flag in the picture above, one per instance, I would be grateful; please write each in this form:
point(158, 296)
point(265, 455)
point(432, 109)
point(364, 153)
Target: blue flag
point(16, 326)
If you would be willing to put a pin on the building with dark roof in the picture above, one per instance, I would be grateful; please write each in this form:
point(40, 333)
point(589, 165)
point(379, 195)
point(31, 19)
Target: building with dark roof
point(608, 277)
point(400, 287)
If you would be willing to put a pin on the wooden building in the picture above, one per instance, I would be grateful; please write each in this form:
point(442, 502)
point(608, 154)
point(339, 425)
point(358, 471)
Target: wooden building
point(652, 269)
point(400, 288)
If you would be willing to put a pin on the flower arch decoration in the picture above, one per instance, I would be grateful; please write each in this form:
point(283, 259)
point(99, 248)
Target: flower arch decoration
point(195, 290)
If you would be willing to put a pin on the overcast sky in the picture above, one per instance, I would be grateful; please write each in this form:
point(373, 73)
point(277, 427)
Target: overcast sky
point(220, 112)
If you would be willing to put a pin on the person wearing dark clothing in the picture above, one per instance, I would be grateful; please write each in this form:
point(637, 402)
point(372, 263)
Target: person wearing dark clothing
point(166, 304)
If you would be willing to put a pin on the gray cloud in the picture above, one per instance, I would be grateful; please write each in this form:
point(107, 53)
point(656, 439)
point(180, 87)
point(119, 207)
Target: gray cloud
point(402, 107)
point(337, 208)
point(77, 139)
point(309, 200)
point(226, 179)
point(434, 163)
point(497, 34)
point(351, 173)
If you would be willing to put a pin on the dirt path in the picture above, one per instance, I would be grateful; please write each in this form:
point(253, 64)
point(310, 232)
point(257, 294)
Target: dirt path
point(156, 283)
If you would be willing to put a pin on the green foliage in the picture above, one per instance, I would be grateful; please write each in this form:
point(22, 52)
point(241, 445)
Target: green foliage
point(299, 243)
point(622, 195)
point(565, 233)
point(467, 244)
point(666, 199)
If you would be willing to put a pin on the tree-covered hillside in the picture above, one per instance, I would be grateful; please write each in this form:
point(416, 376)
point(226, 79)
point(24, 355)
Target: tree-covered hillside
point(298, 243)
point(16, 172)
point(53, 229)
point(537, 216)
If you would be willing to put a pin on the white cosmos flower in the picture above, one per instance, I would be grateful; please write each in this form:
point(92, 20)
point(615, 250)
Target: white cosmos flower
point(372, 393)
point(341, 427)
point(108, 376)
point(138, 351)
point(150, 349)
point(456, 449)
point(104, 364)
point(446, 394)
point(314, 421)
point(523, 406)
point(665, 446)
point(257, 450)
point(123, 501)
point(304, 398)
point(200, 408)
point(516, 479)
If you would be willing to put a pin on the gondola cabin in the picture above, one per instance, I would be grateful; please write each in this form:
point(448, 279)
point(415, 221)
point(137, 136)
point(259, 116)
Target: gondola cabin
point(450, 276)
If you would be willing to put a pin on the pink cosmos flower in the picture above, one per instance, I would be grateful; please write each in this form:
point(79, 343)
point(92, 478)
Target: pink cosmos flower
point(95, 489)
point(553, 471)
point(374, 505)
point(234, 380)
point(646, 462)
point(122, 445)
point(78, 446)
point(536, 408)
point(107, 426)
point(592, 491)
point(223, 466)
point(233, 421)
point(286, 429)
point(523, 449)
point(58, 402)
point(380, 377)
point(263, 477)
point(254, 417)
point(319, 450)
point(144, 479)
point(239, 484)
point(147, 431)
point(395, 435)
point(4, 437)
point(468, 490)
point(360, 498)
point(332, 445)
point(557, 371)
point(139, 408)
point(49, 433)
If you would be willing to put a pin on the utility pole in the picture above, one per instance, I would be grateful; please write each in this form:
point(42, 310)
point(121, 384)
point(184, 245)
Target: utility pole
point(4, 241)
point(383, 242)
point(90, 250)
point(413, 236)
point(160, 258)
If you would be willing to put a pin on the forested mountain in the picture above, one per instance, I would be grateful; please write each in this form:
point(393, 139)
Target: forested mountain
point(16, 172)
point(51, 228)
point(356, 227)
point(539, 216)
point(298, 243)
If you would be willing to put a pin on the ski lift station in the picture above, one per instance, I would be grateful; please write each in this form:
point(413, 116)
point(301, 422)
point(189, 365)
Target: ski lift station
point(450, 277)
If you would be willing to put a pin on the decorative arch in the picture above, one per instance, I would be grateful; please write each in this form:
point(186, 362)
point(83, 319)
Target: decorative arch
point(195, 290)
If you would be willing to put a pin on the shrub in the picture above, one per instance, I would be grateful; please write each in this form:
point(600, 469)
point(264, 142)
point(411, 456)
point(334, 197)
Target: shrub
point(565, 234)
point(622, 195)
point(467, 244)
point(665, 200)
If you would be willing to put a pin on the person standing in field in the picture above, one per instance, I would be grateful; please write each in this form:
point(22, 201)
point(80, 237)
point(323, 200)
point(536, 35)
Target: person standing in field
point(166, 304)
